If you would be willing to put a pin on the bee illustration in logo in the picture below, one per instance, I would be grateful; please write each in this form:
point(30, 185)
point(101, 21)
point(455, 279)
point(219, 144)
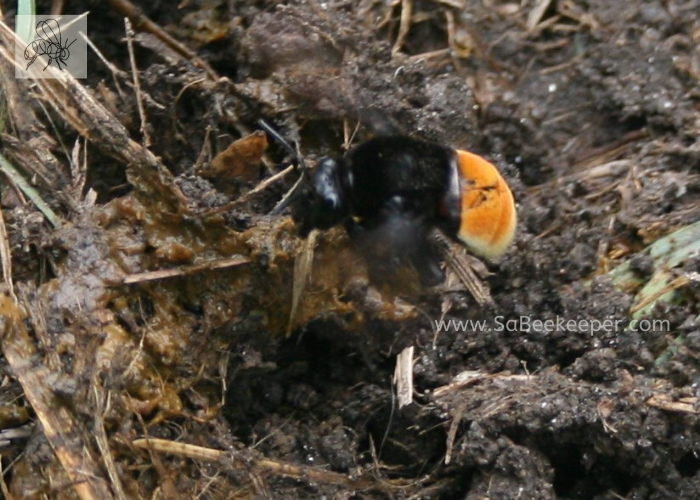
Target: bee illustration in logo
point(49, 43)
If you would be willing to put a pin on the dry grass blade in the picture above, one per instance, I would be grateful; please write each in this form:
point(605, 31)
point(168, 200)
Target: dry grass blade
point(664, 402)
point(263, 465)
point(470, 377)
point(3, 485)
point(262, 186)
point(60, 426)
point(102, 441)
point(160, 274)
point(592, 173)
point(459, 262)
point(536, 14)
point(404, 26)
point(182, 449)
point(6, 257)
point(137, 83)
point(675, 284)
point(452, 433)
point(455, 4)
point(302, 270)
point(79, 168)
point(403, 377)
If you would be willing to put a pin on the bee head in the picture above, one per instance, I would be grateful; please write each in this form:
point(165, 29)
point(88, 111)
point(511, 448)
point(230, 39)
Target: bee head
point(322, 201)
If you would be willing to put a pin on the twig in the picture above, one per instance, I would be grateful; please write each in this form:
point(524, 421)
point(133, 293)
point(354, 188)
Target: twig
point(257, 189)
point(111, 67)
point(137, 84)
point(277, 467)
point(143, 23)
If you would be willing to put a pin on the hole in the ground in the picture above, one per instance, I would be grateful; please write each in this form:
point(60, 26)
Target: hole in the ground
point(689, 464)
point(568, 470)
point(579, 477)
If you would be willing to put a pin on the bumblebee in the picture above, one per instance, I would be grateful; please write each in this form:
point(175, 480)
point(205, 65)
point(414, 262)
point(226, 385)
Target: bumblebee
point(391, 191)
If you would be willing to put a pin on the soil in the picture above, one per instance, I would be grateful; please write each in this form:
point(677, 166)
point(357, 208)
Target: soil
point(590, 110)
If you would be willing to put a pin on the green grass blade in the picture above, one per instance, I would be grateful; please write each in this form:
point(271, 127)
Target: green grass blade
point(26, 24)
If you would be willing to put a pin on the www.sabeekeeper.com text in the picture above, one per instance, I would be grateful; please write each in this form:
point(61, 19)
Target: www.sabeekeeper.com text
point(558, 324)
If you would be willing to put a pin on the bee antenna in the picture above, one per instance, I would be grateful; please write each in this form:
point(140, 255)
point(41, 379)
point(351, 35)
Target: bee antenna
point(294, 151)
point(296, 190)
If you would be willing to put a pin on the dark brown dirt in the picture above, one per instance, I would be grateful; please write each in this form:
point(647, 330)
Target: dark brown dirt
point(593, 116)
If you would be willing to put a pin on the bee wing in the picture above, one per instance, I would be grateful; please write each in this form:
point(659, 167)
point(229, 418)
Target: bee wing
point(397, 236)
point(379, 122)
point(49, 31)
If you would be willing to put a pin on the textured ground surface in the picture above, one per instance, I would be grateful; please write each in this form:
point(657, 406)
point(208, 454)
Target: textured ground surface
point(590, 109)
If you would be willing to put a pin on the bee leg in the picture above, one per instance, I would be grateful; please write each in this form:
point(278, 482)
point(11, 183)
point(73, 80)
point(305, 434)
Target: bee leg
point(427, 262)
